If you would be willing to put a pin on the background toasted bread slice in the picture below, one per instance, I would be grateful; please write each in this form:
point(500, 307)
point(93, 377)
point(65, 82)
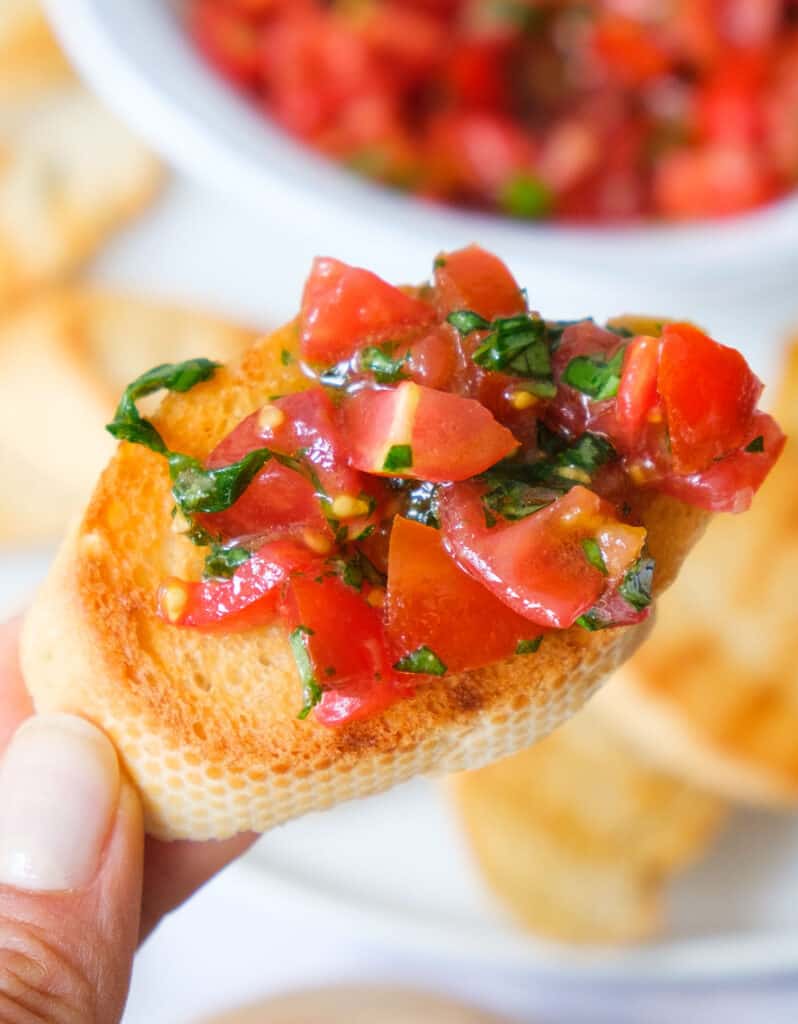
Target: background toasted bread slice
point(64, 361)
point(578, 835)
point(70, 175)
point(713, 694)
point(206, 723)
point(30, 58)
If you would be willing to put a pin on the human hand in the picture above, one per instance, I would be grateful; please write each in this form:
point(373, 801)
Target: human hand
point(80, 886)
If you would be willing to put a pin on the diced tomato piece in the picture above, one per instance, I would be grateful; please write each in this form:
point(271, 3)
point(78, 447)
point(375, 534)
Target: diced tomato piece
point(432, 360)
point(433, 603)
point(228, 41)
point(730, 484)
point(476, 74)
point(249, 598)
point(280, 498)
point(538, 565)
point(709, 395)
point(343, 306)
point(630, 50)
point(347, 648)
point(413, 431)
point(637, 391)
point(714, 180)
point(574, 411)
point(474, 279)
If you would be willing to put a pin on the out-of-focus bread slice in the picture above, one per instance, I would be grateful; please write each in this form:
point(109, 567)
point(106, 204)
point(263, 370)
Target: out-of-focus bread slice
point(206, 722)
point(70, 175)
point(713, 694)
point(30, 58)
point(578, 836)
point(359, 1005)
point(64, 360)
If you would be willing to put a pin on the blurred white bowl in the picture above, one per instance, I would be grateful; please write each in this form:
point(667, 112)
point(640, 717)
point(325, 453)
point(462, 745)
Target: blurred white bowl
point(136, 53)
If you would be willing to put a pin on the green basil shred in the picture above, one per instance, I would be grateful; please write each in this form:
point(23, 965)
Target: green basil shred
point(399, 457)
point(222, 561)
point(593, 555)
point(311, 691)
point(423, 661)
point(594, 376)
point(379, 360)
point(529, 646)
point(757, 445)
point(636, 585)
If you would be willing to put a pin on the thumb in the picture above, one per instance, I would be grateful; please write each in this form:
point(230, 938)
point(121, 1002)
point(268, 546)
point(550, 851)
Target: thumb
point(71, 843)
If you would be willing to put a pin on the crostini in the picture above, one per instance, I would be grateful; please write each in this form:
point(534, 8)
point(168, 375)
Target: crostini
point(411, 531)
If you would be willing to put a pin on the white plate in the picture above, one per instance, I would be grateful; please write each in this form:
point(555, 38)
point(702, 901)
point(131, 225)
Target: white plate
point(397, 866)
point(137, 54)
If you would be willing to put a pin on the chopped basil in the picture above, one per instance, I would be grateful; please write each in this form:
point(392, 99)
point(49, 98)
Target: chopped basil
point(636, 585)
point(311, 691)
point(620, 330)
point(380, 362)
point(513, 500)
point(356, 570)
point(526, 196)
point(589, 452)
point(440, 261)
point(592, 621)
point(593, 555)
point(128, 425)
point(529, 646)
point(516, 344)
point(222, 561)
point(549, 442)
point(196, 489)
point(423, 661)
point(286, 358)
point(466, 321)
point(757, 445)
point(421, 504)
point(399, 457)
point(595, 376)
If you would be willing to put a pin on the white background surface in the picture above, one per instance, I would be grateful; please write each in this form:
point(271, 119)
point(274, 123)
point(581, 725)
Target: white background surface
point(423, 918)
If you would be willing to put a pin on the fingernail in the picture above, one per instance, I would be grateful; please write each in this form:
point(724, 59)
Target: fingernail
point(59, 787)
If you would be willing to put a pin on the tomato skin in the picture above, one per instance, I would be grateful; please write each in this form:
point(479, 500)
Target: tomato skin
point(251, 597)
point(433, 603)
point(574, 411)
point(537, 566)
point(280, 498)
point(450, 437)
point(229, 42)
point(712, 180)
point(346, 646)
point(474, 279)
point(637, 391)
point(730, 484)
point(342, 306)
point(709, 395)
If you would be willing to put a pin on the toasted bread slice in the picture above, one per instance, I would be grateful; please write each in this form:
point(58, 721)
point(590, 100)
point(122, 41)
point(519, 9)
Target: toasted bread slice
point(714, 694)
point(70, 175)
point(206, 722)
point(578, 836)
point(64, 359)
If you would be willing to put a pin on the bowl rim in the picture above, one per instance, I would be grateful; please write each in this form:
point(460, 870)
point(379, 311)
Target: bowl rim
point(140, 61)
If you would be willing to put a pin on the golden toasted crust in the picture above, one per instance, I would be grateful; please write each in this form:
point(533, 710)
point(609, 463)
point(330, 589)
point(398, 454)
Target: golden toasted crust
point(578, 836)
point(714, 694)
point(206, 722)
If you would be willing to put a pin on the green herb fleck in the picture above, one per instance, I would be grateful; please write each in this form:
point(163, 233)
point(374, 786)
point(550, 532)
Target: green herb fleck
point(757, 445)
point(636, 585)
point(311, 691)
point(399, 457)
point(593, 555)
point(516, 345)
point(529, 646)
point(222, 561)
point(526, 196)
point(440, 261)
point(380, 362)
point(594, 376)
point(421, 504)
point(466, 321)
point(423, 661)
point(286, 358)
point(513, 500)
point(592, 621)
